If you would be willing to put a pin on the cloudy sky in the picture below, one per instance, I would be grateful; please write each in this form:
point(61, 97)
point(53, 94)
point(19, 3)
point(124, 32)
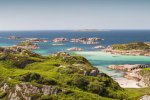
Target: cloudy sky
point(74, 14)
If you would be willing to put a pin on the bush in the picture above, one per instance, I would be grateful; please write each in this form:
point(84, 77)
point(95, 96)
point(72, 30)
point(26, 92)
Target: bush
point(66, 70)
point(79, 81)
point(46, 97)
point(47, 81)
point(2, 94)
point(121, 95)
point(96, 87)
point(29, 77)
point(34, 77)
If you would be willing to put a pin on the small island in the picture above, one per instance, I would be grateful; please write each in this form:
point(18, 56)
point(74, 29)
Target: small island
point(27, 45)
point(61, 39)
point(75, 49)
point(133, 48)
point(14, 38)
point(34, 40)
point(99, 47)
point(86, 40)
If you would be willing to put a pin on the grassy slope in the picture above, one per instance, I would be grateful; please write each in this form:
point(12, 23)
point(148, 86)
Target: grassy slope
point(47, 69)
point(82, 87)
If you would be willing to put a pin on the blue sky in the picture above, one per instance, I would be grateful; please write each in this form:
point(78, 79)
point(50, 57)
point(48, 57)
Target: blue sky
point(74, 14)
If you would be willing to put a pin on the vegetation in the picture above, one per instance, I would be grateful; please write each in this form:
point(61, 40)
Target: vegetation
point(132, 46)
point(25, 43)
point(64, 72)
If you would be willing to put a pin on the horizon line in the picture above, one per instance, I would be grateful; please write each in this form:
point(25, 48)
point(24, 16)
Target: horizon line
point(71, 29)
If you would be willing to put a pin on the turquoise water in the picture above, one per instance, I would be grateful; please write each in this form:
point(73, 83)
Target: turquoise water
point(97, 58)
point(102, 60)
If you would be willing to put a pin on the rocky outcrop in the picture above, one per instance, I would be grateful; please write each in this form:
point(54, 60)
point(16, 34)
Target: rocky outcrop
point(128, 67)
point(26, 91)
point(135, 72)
point(144, 78)
point(94, 72)
point(16, 50)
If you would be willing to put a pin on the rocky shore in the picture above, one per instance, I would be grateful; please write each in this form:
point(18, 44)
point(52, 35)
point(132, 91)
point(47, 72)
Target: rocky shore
point(128, 52)
point(133, 72)
point(128, 67)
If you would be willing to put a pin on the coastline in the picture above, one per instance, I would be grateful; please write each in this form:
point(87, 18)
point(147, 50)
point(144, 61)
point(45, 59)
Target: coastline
point(101, 55)
point(132, 73)
point(126, 83)
point(108, 57)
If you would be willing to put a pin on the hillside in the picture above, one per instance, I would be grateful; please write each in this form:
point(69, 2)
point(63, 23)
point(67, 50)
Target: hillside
point(25, 75)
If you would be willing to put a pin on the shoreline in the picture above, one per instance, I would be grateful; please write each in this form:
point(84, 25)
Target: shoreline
point(132, 72)
point(122, 81)
point(126, 83)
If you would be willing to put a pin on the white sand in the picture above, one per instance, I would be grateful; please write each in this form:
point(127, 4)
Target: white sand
point(126, 83)
point(145, 97)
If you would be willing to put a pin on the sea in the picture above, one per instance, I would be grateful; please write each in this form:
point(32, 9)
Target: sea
point(96, 57)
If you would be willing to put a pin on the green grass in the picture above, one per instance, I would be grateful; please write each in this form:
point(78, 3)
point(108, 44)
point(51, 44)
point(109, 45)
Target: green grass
point(47, 71)
point(132, 46)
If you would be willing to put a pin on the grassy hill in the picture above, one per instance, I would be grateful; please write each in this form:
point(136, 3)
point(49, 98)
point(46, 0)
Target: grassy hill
point(60, 76)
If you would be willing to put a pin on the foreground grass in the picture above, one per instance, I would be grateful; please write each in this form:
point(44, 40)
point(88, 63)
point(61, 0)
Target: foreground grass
point(64, 74)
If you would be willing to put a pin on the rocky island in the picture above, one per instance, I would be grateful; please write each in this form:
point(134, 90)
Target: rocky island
point(133, 48)
point(34, 40)
point(27, 45)
point(99, 47)
point(61, 39)
point(86, 40)
point(14, 37)
point(75, 49)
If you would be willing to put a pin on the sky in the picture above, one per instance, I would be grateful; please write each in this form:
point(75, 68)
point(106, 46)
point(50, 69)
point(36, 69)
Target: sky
point(74, 14)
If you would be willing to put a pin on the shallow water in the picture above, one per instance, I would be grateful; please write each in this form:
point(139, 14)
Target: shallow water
point(102, 60)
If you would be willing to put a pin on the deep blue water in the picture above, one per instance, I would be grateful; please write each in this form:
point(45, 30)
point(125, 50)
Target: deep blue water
point(111, 37)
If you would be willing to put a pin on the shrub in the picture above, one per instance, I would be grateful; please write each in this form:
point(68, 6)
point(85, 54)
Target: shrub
point(28, 77)
point(34, 77)
point(2, 94)
point(79, 81)
point(96, 87)
point(46, 97)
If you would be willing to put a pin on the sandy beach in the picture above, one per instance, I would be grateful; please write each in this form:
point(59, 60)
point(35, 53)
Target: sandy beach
point(126, 83)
